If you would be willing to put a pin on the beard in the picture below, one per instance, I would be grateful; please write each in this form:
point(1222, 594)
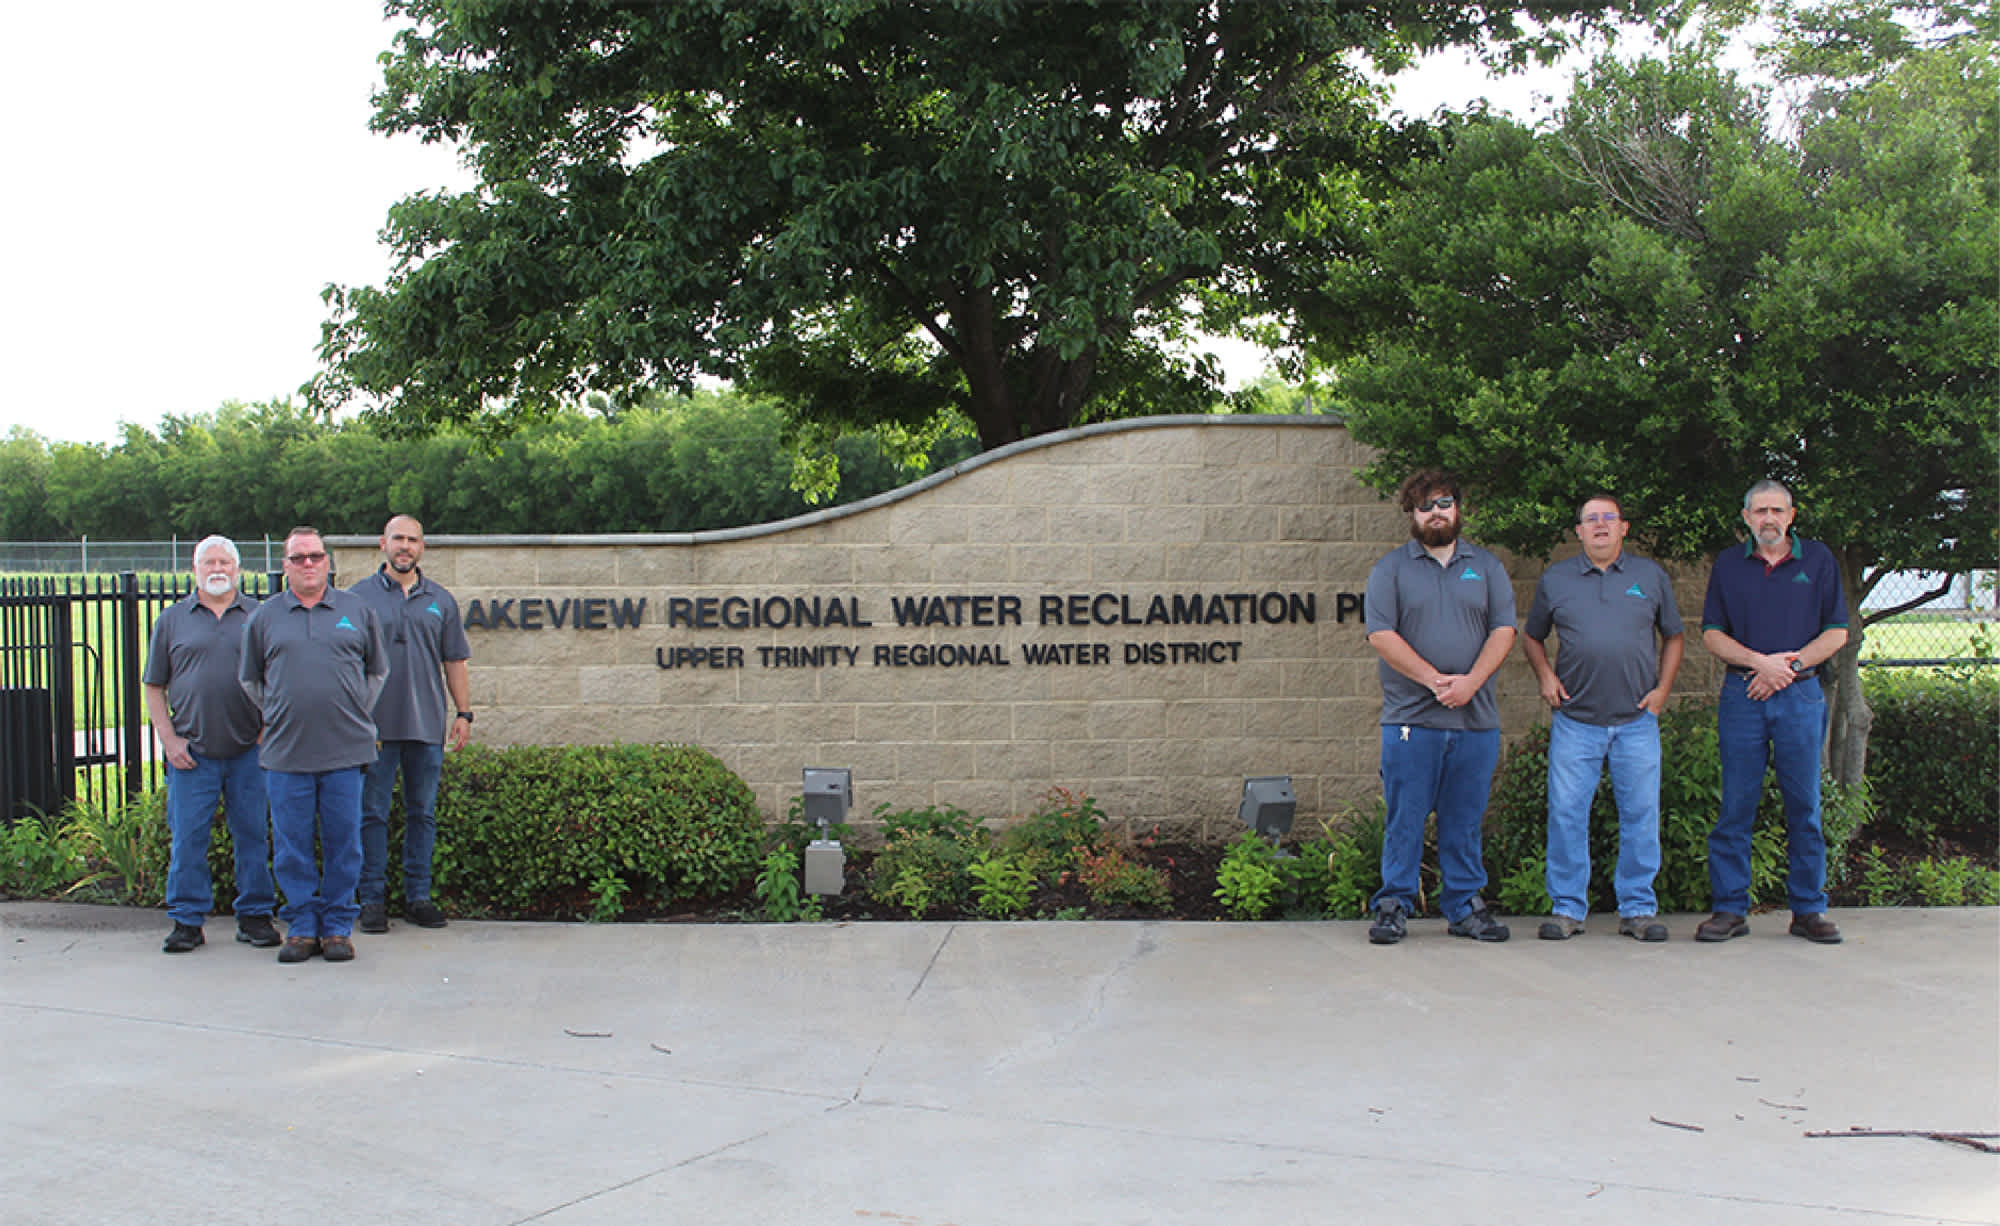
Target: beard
point(1435, 535)
point(217, 585)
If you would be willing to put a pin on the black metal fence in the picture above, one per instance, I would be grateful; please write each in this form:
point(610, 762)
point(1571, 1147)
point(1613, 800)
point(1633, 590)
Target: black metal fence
point(72, 720)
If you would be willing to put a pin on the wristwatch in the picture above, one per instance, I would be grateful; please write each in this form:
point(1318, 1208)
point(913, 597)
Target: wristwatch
point(466, 716)
point(1798, 666)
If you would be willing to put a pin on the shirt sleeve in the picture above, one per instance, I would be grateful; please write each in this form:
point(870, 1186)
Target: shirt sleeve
point(1499, 597)
point(159, 665)
point(1713, 614)
point(1668, 619)
point(1380, 610)
point(1541, 613)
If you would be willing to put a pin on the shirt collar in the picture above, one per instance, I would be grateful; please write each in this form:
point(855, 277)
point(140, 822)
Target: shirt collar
point(1797, 553)
point(1584, 565)
point(389, 583)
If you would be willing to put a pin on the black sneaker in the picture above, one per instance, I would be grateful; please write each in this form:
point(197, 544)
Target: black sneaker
point(424, 913)
point(183, 938)
point(258, 931)
point(374, 917)
point(1479, 924)
point(1390, 926)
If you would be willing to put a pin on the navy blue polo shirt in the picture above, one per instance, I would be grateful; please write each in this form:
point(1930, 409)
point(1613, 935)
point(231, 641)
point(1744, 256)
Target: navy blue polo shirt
point(1775, 609)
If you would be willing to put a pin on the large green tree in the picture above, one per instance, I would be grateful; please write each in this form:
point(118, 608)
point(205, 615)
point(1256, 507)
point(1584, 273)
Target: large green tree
point(1671, 294)
point(875, 210)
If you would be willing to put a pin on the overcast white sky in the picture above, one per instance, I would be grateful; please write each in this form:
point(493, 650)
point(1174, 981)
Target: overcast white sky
point(186, 178)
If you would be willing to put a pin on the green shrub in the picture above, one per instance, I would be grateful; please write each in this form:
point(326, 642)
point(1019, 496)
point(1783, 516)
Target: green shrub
point(522, 830)
point(1003, 884)
point(1690, 798)
point(926, 858)
point(123, 847)
point(36, 860)
point(1934, 751)
point(1353, 857)
point(1049, 840)
point(1250, 879)
point(1114, 879)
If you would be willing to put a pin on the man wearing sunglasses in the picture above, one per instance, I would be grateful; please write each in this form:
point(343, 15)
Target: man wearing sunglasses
point(1621, 643)
point(314, 660)
point(1440, 614)
point(427, 656)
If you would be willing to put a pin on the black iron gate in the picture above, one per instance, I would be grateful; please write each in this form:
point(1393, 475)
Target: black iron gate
point(72, 715)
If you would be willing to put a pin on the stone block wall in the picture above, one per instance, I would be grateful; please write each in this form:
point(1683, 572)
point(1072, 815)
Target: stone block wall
point(1144, 611)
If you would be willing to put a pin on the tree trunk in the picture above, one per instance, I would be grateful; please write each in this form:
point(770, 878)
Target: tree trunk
point(1849, 717)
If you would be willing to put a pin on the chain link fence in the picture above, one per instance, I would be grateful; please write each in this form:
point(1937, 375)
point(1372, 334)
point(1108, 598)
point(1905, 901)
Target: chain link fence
point(84, 557)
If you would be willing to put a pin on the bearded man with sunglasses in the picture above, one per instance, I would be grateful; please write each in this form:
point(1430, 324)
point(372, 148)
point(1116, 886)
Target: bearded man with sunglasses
point(314, 661)
point(1440, 614)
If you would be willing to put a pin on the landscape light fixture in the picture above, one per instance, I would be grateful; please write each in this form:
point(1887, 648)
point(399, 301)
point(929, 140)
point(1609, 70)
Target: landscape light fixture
point(827, 796)
point(1268, 805)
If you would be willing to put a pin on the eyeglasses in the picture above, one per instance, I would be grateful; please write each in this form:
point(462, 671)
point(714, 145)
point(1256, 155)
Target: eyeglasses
point(1445, 503)
point(305, 559)
point(1600, 517)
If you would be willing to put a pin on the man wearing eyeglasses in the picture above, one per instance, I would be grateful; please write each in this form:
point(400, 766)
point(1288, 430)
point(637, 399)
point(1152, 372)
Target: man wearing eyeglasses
point(314, 661)
point(1775, 613)
point(427, 657)
point(1440, 614)
point(1621, 646)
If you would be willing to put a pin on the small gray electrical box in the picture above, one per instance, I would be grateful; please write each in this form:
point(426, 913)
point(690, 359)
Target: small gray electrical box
point(1268, 804)
point(829, 792)
point(826, 867)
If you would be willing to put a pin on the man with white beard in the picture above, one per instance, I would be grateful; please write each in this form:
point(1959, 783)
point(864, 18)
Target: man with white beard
point(208, 730)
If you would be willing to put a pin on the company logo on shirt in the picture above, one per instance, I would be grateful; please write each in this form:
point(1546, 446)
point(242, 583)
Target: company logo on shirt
point(434, 611)
point(1636, 590)
point(343, 623)
point(1469, 574)
point(1802, 577)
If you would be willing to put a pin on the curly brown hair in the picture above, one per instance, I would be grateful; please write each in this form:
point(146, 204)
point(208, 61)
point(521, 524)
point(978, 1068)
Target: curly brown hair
point(1430, 481)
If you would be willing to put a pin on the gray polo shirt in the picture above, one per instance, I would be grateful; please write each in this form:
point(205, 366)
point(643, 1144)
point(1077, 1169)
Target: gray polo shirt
point(424, 630)
point(1606, 620)
point(315, 671)
point(194, 656)
point(1445, 613)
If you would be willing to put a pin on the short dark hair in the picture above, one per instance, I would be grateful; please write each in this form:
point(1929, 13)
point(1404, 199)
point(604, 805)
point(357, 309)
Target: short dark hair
point(1600, 496)
point(305, 530)
point(1428, 481)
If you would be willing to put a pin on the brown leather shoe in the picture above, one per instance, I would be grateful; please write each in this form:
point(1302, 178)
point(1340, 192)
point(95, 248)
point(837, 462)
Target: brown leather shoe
point(1816, 928)
point(298, 949)
point(336, 949)
point(1721, 926)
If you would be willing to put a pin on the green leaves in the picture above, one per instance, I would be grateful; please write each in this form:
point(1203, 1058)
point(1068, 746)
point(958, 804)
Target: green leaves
point(1035, 197)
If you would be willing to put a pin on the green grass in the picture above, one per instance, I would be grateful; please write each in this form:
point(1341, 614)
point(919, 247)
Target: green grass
point(1918, 636)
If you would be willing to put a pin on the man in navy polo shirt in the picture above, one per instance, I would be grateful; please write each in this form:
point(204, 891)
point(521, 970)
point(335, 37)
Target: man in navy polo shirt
point(1774, 615)
point(1440, 614)
point(427, 656)
point(208, 729)
point(314, 660)
point(1620, 629)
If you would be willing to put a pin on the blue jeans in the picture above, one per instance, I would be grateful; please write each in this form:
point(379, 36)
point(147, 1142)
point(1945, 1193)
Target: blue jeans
point(192, 794)
point(1449, 772)
point(420, 763)
point(319, 897)
point(1787, 730)
point(1578, 755)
